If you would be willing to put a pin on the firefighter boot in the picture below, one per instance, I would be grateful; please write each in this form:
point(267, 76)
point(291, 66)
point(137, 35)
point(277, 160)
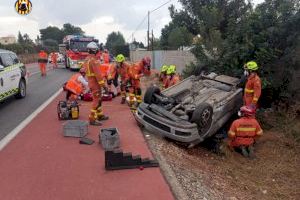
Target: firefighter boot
point(123, 96)
point(251, 152)
point(131, 101)
point(93, 118)
point(138, 100)
point(100, 115)
point(244, 151)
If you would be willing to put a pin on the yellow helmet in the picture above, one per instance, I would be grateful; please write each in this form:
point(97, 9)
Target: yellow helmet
point(171, 69)
point(251, 65)
point(164, 68)
point(120, 58)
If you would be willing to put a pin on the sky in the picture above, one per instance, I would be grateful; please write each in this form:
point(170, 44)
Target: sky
point(96, 17)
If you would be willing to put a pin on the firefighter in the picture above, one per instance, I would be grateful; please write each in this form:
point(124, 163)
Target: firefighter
point(54, 59)
point(120, 69)
point(252, 90)
point(163, 75)
point(105, 56)
point(76, 85)
point(172, 77)
point(43, 60)
point(135, 72)
point(95, 83)
point(244, 131)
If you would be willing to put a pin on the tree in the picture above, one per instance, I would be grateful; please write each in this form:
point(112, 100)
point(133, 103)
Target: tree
point(114, 41)
point(20, 38)
point(232, 32)
point(179, 37)
point(69, 29)
point(27, 39)
point(53, 33)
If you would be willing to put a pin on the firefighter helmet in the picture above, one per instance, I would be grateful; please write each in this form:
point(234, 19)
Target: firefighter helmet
point(120, 58)
point(171, 69)
point(92, 46)
point(251, 65)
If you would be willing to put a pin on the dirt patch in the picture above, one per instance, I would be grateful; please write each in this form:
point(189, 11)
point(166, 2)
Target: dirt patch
point(201, 174)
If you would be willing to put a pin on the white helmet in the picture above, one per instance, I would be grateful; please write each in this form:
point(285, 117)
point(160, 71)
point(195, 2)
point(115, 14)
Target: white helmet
point(92, 46)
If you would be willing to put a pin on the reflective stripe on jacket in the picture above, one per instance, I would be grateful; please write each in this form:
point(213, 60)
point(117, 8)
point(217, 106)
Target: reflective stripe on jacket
point(252, 90)
point(243, 131)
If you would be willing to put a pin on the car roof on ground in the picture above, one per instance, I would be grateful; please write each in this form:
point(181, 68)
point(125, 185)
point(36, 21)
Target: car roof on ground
point(5, 51)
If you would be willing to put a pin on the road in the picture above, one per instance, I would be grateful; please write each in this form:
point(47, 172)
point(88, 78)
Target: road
point(39, 89)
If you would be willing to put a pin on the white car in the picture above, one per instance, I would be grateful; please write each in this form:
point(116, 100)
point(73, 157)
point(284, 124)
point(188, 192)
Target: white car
point(13, 76)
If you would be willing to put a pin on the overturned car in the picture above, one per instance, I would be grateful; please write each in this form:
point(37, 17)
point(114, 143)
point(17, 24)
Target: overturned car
point(192, 110)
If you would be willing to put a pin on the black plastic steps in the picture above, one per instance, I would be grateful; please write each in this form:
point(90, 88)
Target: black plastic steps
point(116, 159)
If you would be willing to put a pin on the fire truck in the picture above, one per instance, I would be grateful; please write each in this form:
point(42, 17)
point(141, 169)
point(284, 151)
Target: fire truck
point(75, 50)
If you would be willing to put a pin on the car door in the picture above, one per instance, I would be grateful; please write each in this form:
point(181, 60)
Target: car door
point(15, 71)
point(7, 62)
point(3, 87)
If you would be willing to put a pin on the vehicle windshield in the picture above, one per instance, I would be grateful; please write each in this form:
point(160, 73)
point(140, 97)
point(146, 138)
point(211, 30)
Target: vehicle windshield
point(79, 46)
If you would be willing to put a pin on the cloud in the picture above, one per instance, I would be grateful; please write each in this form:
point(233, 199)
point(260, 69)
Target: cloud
point(96, 17)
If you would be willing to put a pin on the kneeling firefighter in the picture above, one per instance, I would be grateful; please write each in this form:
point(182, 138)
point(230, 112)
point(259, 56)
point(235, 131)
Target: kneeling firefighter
point(244, 131)
point(96, 83)
point(76, 85)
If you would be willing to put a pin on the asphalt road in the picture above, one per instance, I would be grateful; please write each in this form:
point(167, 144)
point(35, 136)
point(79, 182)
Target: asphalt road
point(39, 89)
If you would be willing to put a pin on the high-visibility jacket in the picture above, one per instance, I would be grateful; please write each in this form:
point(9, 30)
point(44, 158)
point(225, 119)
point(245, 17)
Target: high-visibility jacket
point(74, 85)
point(92, 68)
point(43, 57)
point(137, 70)
point(122, 71)
point(243, 131)
point(252, 90)
point(105, 57)
point(170, 81)
point(104, 68)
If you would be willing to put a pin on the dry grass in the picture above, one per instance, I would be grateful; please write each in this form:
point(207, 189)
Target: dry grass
point(28, 58)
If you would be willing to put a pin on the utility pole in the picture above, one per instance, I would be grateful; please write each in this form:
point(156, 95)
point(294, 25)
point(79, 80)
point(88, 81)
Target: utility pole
point(148, 32)
point(152, 41)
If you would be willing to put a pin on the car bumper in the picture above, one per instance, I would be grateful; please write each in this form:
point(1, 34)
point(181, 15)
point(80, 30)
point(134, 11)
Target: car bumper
point(76, 65)
point(183, 132)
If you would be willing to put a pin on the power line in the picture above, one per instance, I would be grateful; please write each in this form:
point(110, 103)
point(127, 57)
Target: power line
point(138, 26)
point(160, 6)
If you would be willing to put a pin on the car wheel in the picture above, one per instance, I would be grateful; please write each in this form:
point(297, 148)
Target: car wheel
point(21, 90)
point(202, 116)
point(149, 95)
point(67, 63)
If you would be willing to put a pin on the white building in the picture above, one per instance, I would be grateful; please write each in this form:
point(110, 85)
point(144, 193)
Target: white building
point(8, 40)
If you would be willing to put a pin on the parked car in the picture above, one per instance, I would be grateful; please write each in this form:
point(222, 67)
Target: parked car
point(192, 110)
point(13, 76)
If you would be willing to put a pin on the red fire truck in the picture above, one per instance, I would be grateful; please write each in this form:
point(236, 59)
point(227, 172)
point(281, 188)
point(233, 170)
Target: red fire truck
point(75, 50)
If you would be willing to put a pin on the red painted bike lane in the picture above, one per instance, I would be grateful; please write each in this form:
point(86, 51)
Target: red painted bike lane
point(42, 164)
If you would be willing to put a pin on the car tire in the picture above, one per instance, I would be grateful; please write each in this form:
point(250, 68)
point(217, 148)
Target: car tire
point(149, 97)
point(67, 63)
point(202, 116)
point(22, 89)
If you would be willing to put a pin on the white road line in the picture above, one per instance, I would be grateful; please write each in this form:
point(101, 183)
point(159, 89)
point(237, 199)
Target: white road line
point(26, 121)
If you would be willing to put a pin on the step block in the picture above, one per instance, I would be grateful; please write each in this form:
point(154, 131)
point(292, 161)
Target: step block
point(116, 159)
